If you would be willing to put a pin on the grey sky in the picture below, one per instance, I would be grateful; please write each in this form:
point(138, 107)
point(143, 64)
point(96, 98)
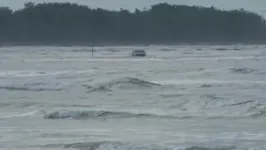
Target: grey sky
point(258, 6)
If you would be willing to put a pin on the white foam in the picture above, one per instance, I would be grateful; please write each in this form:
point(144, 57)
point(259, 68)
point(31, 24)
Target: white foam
point(41, 73)
point(188, 82)
point(20, 114)
point(123, 59)
point(33, 86)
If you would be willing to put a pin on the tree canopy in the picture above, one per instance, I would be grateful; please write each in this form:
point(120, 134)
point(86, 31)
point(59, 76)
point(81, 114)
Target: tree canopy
point(70, 23)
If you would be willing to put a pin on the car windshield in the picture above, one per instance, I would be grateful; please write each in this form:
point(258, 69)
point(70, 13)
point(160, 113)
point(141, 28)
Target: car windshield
point(140, 51)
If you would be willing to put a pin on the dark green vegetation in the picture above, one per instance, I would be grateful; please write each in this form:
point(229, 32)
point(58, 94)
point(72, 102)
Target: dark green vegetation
point(66, 23)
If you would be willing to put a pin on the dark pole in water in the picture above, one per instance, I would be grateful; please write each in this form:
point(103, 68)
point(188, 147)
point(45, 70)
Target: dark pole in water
point(92, 52)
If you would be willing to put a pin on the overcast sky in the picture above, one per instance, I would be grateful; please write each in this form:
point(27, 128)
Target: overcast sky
point(258, 6)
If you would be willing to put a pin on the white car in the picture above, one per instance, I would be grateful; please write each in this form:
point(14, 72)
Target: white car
point(138, 53)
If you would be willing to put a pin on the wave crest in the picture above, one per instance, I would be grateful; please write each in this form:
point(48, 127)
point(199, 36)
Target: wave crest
point(205, 148)
point(251, 110)
point(67, 114)
point(123, 84)
point(112, 145)
point(243, 70)
point(33, 87)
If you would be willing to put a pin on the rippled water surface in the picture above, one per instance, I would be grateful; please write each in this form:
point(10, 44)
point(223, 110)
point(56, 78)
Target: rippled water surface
point(176, 98)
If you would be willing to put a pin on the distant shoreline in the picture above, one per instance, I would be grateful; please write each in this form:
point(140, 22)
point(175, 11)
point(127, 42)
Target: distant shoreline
point(128, 44)
point(68, 24)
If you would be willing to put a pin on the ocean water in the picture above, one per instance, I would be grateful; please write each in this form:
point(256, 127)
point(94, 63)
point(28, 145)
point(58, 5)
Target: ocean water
point(176, 98)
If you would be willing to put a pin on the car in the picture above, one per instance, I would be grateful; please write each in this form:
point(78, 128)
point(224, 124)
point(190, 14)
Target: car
point(138, 53)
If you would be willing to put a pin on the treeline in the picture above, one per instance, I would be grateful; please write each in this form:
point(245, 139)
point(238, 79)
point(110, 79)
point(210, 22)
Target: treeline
point(68, 23)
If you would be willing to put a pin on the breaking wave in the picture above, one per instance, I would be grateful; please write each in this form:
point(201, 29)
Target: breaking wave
point(18, 115)
point(205, 110)
point(205, 148)
point(42, 73)
point(123, 84)
point(33, 87)
point(207, 83)
point(112, 145)
point(225, 49)
point(17, 104)
point(249, 111)
point(242, 70)
point(68, 114)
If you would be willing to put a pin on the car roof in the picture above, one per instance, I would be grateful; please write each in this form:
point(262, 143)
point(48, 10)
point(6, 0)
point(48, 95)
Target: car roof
point(139, 51)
